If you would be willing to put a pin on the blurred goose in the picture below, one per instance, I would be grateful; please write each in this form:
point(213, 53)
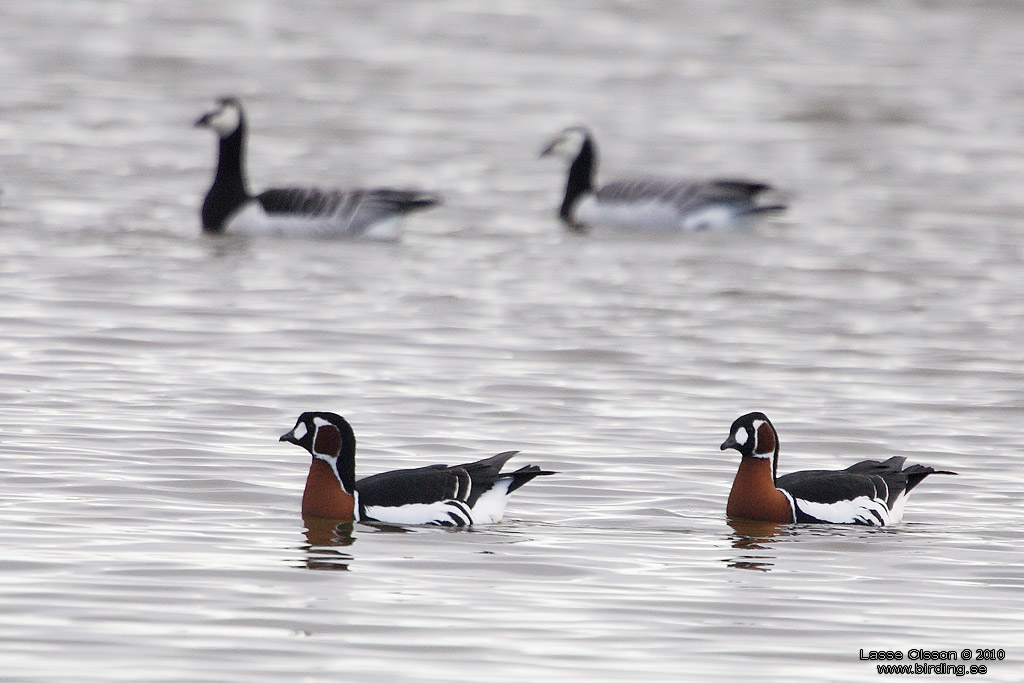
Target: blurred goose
point(293, 211)
point(649, 203)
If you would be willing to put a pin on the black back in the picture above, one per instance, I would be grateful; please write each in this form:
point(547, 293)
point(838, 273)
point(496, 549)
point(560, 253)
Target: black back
point(432, 483)
point(866, 478)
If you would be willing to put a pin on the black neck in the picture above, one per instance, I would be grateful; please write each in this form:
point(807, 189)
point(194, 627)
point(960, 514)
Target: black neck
point(229, 190)
point(346, 464)
point(775, 455)
point(581, 178)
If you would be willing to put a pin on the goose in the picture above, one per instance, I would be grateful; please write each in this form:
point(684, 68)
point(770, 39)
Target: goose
point(229, 206)
point(870, 493)
point(437, 495)
point(649, 203)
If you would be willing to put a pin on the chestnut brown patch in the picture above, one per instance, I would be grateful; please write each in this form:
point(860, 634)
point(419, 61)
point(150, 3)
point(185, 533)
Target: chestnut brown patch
point(754, 496)
point(324, 497)
point(765, 438)
point(328, 441)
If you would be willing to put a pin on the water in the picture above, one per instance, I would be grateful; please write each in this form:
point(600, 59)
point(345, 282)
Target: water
point(149, 518)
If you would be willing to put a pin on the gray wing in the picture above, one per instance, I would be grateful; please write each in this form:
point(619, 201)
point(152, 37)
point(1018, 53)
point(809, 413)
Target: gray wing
point(358, 208)
point(686, 195)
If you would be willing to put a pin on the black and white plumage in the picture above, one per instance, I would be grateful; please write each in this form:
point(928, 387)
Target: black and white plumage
point(441, 495)
point(870, 492)
point(649, 203)
point(293, 211)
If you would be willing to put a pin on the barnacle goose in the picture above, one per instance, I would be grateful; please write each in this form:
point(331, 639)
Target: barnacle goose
point(649, 203)
point(293, 211)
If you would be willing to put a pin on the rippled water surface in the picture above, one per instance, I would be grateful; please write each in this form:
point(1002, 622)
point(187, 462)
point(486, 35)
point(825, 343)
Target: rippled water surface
point(149, 518)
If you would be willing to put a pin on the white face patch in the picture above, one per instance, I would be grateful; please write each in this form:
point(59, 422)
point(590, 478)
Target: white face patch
point(741, 436)
point(226, 120)
point(300, 430)
point(568, 143)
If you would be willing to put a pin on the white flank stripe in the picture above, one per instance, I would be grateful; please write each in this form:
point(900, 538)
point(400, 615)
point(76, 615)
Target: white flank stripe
point(420, 513)
point(855, 511)
point(792, 503)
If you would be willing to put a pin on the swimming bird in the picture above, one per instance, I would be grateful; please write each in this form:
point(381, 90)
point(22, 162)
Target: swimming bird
point(870, 492)
point(442, 495)
point(649, 203)
point(293, 211)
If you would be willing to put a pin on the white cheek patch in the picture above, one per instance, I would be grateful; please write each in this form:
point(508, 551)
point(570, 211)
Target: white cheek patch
point(574, 142)
point(568, 143)
point(741, 436)
point(300, 430)
point(226, 121)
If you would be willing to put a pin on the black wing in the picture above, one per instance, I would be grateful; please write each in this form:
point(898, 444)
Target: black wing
point(877, 479)
point(420, 485)
point(430, 484)
point(830, 486)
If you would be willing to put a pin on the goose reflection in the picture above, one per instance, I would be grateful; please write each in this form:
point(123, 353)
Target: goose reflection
point(756, 540)
point(324, 537)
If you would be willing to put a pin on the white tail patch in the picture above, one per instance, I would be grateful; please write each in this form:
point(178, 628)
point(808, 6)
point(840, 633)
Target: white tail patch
point(898, 506)
point(490, 506)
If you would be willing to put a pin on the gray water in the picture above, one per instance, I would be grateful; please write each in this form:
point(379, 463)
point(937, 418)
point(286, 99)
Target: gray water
point(148, 517)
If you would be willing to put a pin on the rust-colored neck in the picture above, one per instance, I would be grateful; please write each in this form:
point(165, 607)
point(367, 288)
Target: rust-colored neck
point(324, 496)
point(754, 495)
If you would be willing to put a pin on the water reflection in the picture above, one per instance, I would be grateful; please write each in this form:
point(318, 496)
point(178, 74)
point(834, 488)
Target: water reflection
point(324, 537)
point(755, 539)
